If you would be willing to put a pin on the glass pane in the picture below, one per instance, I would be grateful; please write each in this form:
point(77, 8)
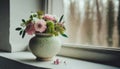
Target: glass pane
point(92, 22)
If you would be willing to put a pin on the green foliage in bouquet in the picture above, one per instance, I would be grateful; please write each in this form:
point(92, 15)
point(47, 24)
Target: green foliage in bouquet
point(42, 23)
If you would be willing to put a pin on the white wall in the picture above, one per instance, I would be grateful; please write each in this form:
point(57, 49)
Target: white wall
point(20, 9)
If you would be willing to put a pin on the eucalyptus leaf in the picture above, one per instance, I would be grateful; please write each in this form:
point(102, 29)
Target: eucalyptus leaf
point(18, 28)
point(20, 33)
point(31, 17)
point(23, 34)
point(23, 20)
point(61, 18)
point(64, 35)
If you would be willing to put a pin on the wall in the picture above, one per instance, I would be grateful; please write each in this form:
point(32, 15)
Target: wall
point(20, 9)
point(11, 13)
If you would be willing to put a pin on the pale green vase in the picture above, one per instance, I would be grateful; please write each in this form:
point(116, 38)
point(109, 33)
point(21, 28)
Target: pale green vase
point(44, 47)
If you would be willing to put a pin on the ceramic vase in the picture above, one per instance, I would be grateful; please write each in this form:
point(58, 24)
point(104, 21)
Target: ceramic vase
point(45, 46)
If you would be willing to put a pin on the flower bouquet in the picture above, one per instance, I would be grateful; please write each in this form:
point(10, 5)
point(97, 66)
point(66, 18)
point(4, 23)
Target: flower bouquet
point(41, 23)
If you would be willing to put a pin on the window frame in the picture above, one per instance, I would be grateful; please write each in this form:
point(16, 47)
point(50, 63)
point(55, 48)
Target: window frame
point(104, 55)
point(99, 54)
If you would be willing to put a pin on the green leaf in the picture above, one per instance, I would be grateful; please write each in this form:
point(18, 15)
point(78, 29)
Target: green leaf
point(23, 20)
point(40, 12)
point(64, 35)
point(18, 29)
point(20, 33)
point(50, 27)
point(56, 33)
point(31, 17)
point(61, 18)
point(23, 35)
point(34, 15)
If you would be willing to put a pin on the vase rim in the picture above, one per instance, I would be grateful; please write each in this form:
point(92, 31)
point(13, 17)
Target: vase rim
point(43, 34)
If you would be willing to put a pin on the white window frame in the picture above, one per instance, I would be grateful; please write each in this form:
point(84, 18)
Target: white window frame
point(104, 55)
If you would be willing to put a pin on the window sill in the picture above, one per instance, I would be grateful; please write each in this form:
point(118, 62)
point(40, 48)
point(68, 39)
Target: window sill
point(103, 55)
point(29, 59)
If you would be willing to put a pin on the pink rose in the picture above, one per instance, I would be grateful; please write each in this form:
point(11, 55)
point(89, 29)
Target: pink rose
point(49, 17)
point(30, 30)
point(40, 26)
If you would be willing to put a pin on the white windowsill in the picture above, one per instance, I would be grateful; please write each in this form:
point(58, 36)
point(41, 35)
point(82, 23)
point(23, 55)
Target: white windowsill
point(104, 55)
point(29, 58)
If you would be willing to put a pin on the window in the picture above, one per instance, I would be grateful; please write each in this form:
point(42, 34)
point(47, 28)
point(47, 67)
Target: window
point(91, 22)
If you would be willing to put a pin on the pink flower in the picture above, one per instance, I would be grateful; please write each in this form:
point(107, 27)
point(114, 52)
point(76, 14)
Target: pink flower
point(40, 26)
point(57, 61)
point(49, 17)
point(30, 30)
